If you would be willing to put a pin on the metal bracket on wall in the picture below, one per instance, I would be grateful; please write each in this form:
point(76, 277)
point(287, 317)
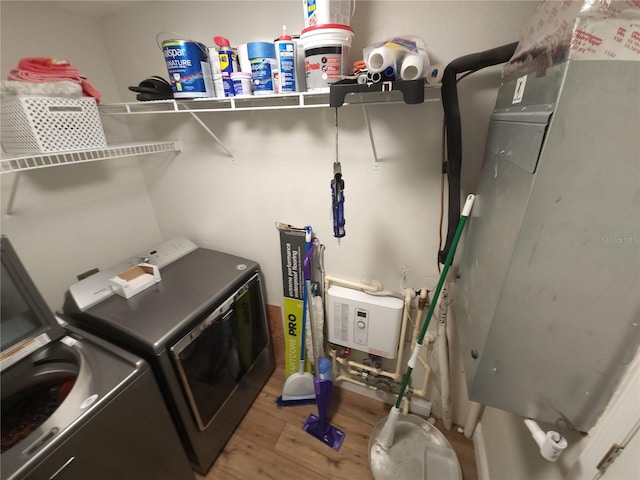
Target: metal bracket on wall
point(373, 143)
point(12, 195)
point(210, 132)
point(412, 92)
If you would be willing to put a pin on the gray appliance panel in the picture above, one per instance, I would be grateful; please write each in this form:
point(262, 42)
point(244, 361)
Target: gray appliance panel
point(102, 376)
point(150, 319)
point(518, 142)
point(143, 445)
point(550, 276)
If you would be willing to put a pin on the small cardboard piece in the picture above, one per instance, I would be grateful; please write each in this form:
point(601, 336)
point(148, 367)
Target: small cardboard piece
point(134, 280)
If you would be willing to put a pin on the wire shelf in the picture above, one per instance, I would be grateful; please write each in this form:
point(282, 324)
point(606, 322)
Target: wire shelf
point(259, 102)
point(23, 162)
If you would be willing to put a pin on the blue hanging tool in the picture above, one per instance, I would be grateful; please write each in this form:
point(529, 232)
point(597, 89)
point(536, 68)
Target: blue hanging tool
point(337, 194)
point(337, 201)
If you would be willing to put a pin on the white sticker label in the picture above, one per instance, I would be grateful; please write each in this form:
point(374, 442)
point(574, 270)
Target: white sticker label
point(519, 93)
point(89, 401)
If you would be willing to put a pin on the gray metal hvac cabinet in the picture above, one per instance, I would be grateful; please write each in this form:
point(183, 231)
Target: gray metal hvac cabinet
point(548, 303)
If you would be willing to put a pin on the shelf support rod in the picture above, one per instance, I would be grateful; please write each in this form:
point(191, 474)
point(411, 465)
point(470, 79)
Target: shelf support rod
point(12, 195)
point(213, 135)
point(373, 143)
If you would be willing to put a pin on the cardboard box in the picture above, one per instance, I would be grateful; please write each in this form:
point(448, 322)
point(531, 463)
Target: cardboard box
point(134, 280)
point(292, 250)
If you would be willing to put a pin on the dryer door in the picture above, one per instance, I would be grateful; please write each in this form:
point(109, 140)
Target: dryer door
point(214, 356)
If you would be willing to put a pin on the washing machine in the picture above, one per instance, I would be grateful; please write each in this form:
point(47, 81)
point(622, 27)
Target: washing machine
point(73, 405)
point(203, 329)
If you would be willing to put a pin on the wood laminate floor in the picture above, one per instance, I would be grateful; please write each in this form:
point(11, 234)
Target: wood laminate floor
point(270, 442)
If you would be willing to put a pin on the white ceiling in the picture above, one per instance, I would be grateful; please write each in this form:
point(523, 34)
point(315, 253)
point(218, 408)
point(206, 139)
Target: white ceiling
point(92, 8)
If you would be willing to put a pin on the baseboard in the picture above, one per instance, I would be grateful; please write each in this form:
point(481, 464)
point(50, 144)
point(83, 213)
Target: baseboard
point(482, 465)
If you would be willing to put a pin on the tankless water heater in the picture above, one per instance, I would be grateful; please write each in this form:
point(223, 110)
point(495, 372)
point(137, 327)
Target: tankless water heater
point(364, 322)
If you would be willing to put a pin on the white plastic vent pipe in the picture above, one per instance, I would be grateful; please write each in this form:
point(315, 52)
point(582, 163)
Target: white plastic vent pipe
point(443, 359)
point(551, 444)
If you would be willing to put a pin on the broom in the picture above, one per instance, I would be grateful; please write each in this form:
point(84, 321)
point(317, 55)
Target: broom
point(385, 438)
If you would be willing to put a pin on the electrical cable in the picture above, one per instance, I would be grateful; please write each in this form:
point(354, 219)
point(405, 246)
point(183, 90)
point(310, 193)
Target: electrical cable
point(451, 108)
point(444, 159)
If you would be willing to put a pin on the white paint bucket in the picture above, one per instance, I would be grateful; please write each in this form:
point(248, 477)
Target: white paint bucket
point(326, 54)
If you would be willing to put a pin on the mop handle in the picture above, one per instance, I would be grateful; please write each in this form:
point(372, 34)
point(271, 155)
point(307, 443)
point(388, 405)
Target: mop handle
point(307, 241)
point(463, 219)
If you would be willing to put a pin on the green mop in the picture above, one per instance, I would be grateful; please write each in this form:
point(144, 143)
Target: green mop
point(385, 438)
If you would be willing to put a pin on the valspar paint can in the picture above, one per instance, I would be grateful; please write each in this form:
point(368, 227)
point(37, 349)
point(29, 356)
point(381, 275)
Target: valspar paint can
point(189, 68)
point(326, 54)
point(262, 56)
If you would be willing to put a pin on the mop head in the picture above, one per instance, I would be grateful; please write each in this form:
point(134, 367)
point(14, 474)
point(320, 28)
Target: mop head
point(385, 438)
point(280, 402)
point(324, 431)
point(318, 425)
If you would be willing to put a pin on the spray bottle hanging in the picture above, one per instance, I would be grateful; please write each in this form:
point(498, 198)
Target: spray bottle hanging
point(337, 194)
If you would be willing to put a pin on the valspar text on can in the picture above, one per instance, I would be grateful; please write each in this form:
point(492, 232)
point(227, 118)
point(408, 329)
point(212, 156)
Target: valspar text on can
point(326, 54)
point(262, 56)
point(189, 68)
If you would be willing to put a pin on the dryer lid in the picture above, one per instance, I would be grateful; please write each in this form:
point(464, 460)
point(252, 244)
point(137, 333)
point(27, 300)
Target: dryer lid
point(26, 322)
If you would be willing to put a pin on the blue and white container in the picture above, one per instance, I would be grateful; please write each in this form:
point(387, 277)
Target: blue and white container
point(227, 59)
point(262, 56)
point(286, 57)
point(189, 69)
point(242, 83)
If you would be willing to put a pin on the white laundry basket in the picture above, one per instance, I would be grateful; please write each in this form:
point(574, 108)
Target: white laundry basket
point(37, 124)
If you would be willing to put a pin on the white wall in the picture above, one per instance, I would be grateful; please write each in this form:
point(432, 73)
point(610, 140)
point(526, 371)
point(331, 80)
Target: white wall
point(69, 219)
point(283, 159)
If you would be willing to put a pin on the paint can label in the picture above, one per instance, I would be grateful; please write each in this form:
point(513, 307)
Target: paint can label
point(188, 67)
point(262, 70)
point(287, 65)
point(227, 66)
point(324, 65)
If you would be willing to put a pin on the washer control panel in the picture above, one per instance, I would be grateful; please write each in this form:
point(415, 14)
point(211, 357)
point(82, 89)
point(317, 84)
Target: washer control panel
point(96, 288)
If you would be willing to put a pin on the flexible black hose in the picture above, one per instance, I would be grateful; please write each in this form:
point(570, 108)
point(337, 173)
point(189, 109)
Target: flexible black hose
point(453, 164)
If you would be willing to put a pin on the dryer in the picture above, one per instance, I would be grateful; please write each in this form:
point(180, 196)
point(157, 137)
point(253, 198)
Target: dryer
point(202, 328)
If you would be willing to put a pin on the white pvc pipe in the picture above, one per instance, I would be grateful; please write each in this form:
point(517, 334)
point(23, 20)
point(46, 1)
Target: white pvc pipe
point(422, 305)
point(551, 444)
point(346, 378)
point(346, 283)
point(473, 416)
point(422, 391)
point(443, 360)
